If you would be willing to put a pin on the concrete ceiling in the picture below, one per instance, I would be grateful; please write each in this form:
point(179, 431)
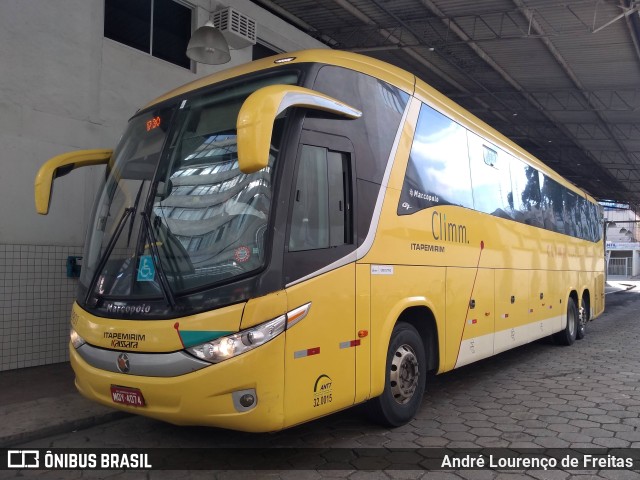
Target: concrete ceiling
point(560, 78)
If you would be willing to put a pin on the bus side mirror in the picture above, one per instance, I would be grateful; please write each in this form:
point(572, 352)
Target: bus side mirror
point(61, 165)
point(259, 112)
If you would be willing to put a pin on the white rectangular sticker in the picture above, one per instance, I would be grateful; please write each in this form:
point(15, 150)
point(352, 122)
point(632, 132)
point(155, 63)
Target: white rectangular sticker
point(381, 269)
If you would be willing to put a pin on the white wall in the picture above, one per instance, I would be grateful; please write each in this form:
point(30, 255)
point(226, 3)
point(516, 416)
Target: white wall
point(63, 86)
point(625, 229)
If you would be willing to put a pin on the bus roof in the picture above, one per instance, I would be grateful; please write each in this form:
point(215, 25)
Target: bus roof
point(384, 71)
point(370, 66)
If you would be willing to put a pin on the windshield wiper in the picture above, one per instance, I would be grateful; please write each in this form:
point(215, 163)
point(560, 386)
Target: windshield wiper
point(155, 258)
point(107, 252)
point(135, 208)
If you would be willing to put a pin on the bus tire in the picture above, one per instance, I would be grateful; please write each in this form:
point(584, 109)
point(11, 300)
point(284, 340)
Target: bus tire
point(583, 318)
point(405, 376)
point(568, 335)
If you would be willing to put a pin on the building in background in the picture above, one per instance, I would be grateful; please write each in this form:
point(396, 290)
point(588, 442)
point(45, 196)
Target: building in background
point(623, 247)
point(73, 72)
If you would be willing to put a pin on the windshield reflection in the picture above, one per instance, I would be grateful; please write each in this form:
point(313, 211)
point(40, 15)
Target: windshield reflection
point(206, 221)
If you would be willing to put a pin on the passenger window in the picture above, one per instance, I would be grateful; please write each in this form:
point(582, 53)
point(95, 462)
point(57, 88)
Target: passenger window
point(593, 221)
point(552, 203)
point(526, 194)
point(571, 213)
point(492, 189)
point(583, 219)
point(438, 168)
point(322, 214)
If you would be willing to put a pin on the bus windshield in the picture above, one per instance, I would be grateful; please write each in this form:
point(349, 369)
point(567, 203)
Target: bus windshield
point(176, 214)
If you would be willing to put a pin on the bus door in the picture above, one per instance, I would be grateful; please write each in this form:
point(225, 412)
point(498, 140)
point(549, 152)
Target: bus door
point(320, 275)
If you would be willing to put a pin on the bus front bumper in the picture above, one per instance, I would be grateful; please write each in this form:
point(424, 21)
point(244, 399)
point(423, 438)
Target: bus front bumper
point(206, 397)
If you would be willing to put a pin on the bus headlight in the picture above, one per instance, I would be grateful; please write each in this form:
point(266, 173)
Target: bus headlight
point(76, 340)
point(230, 346)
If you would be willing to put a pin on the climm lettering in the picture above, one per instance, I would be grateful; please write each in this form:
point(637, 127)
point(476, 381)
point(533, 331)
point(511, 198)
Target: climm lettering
point(447, 231)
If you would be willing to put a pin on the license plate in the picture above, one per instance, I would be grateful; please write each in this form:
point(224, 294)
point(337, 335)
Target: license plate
point(127, 396)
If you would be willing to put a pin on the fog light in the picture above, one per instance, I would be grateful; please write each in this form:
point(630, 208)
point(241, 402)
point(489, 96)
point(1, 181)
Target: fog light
point(244, 400)
point(247, 400)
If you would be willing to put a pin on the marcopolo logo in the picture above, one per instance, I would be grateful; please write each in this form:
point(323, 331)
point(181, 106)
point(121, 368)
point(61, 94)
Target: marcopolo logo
point(124, 308)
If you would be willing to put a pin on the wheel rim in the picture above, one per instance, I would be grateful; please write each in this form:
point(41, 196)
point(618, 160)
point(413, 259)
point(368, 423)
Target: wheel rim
point(404, 374)
point(583, 316)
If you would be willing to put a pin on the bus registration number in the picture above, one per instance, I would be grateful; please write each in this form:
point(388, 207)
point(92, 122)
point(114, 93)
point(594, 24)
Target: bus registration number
point(127, 396)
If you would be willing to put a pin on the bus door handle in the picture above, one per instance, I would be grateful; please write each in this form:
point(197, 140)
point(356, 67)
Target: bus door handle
point(513, 299)
point(472, 303)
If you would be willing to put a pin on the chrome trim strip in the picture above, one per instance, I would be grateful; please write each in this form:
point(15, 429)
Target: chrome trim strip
point(310, 98)
point(363, 249)
point(142, 364)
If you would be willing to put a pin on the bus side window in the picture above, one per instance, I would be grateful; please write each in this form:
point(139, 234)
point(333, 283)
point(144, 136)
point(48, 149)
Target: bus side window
point(438, 169)
point(551, 192)
point(490, 177)
point(321, 214)
point(525, 183)
point(570, 200)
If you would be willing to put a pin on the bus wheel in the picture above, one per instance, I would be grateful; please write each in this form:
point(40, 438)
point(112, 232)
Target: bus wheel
point(568, 335)
point(583, 318)
point(404, 379)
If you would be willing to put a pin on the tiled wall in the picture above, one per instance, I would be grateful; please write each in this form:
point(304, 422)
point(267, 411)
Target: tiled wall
point(35, 302)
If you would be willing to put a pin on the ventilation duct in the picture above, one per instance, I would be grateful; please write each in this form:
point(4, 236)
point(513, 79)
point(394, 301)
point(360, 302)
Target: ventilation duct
point(238, 29)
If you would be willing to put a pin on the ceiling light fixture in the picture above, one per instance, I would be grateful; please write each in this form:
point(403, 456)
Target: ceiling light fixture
point(208, 45)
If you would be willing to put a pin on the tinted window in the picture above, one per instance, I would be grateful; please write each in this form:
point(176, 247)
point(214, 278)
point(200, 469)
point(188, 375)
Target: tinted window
point(171, 32)
point(371, 135)
point(501, 184)
point(438, 168)
point(583, 218)
point(594, 222)
point(321, 215)
point(161, 28)
point(382, 106)
point(490, 178)
point(571, 213)
point(128, 22)
point(552, 204)
point(526, 194)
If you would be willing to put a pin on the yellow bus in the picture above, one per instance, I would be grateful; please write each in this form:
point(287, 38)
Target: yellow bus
point(315, 230)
